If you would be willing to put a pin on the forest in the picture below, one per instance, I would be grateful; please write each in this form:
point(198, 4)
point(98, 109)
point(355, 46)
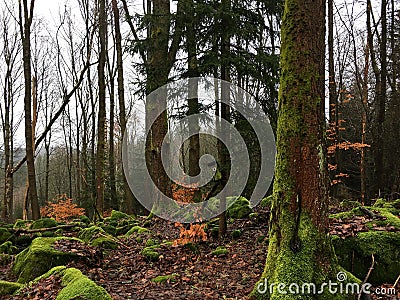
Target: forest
point(200, 149)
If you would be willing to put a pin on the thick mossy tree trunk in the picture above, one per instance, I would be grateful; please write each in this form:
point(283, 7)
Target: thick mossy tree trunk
point(300, 250)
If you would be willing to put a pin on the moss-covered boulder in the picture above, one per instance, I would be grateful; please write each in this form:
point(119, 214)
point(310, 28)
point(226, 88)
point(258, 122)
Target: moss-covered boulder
point(39, 257)
point(150, 253)
point(138, 230)
point(239, 207)
point(9, 288)
point(8, 248)
point(356, 253)
point(5, 235)
point(44, 223)
point(76, 285)
point(22, 224)
point(393, 206)
point(220, 251)
point(97, 236)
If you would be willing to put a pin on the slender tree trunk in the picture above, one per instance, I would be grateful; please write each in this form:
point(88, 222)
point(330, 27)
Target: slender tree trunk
point(101, 130)
point(25, 24)
point(113, 202)
point(364, 128)
point(333, 100)
point(225, 109)
point(132, 205)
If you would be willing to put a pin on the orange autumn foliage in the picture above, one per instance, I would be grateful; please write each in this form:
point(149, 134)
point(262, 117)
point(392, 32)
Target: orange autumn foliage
point(194, 234)
point(184, 194)
point(61, 209)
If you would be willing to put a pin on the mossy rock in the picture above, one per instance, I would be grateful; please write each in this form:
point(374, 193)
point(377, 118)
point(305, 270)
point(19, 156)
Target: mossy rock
point(89, 234)
point(44, 223)
point(236, 233)
point(76, 285)
point(8, 248)
point(22, 224)
point(239, 207)
point(23, 240)
point(150, 253)
point(165, 278)
point(110, 229)
point(385, 246)
point(267, 201)
point(118, 215)
point(84, 219)
point(9, 288)
point(39, 257)
point(151, 242)
point(5, 259)
point(105, 242)
point(393, 206)
point(5, 235)
point(138, 230)
point(220, 251)
point(349, 204)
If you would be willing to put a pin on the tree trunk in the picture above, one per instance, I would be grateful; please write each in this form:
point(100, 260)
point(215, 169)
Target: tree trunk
point(158, 68)
point(132, 205)
point(364, 129)
point(25, 24)
point(101, 122)
point(300, 250)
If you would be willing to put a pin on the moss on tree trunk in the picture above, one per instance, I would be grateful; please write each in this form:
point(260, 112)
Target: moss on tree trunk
point(300, 251)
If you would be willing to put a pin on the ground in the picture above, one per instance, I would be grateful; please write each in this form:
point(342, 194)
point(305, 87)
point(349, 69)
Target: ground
point(181, 272)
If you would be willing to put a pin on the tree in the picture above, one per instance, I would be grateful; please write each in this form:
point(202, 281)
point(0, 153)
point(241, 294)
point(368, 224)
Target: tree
point(300, 250)
point(25, 19)
point(101, 121)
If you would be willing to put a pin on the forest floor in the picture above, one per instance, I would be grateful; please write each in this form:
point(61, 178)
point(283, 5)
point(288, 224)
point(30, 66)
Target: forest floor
point(195, 272)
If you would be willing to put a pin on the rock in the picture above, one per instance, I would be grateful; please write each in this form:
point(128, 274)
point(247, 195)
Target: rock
point(96, 236)
point(239, 209)
point(8, 248)
point(236, 233)
point(76, 285)
point(385, 246)
point(165, 278)
point(22, 224)
point(150, 253)
point(137, 229)
point(5, 235)
point(44, 223)
point(9, 288)
point(220, 251)
point(39, 257)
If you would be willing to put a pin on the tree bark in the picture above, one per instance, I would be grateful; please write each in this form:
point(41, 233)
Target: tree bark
point(101, 121)
point(300, 250)
point(25, 27)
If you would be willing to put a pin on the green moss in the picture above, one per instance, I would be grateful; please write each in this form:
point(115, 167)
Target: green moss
point(267, 201)
point(9, 288)
point(8, 248)
point(91, 233)
point(151, 242)
point(236, 233)
point(260, 238)
point(165, 278)
point(21, 223)
point(150, 253)
point(44, 223)
point(85, 219)
point(137, 229)
point(385, 246)
point(110, 229)
point(5, 259)
point(349, 204)
point(5, 235)
point(105, 242)
point(239, 208)
point(77, 285)
point(38, 258)
point(117, 215)
point(220, 251)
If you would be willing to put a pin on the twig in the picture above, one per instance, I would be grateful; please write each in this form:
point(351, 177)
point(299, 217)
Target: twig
point(396, 282)
point(21, 230)
point(369, 273)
